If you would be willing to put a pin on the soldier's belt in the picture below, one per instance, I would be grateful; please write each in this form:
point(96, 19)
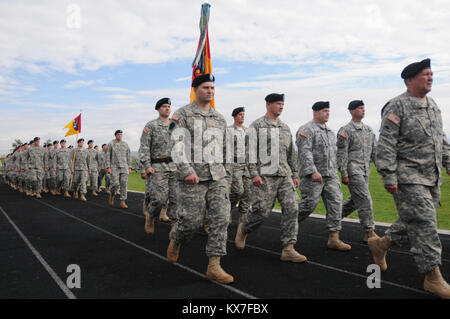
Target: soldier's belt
point(162, 160)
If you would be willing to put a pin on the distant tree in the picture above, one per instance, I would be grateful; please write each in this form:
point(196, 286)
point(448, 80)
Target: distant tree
point(16, 143)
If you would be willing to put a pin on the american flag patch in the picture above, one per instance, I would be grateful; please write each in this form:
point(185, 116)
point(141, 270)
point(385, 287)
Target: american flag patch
point(176, 117)
point(343, 134)
point(394, 119)
point(304, 134)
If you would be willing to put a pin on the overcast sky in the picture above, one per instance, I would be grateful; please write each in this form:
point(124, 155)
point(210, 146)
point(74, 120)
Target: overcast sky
point(120, 57)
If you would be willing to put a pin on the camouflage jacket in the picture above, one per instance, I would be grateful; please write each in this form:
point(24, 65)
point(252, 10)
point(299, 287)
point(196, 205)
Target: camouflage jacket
point(155, 145)
point(63, 158)
point(285, 160)
point(356, 148)
point(35, 157)
point(188, 118)
point(239, 155)
point(316, 145)
point(82, 159)
point(412, 146)
point(118, 155)
point(102, 160)
point(93, 159)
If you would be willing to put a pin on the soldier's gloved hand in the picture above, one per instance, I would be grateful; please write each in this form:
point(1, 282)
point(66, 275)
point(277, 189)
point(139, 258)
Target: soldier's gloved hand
point(393, 189)
point(257, 181)
point(345, 180)
point(316, 177)
point(192, 179)
point(149, 171)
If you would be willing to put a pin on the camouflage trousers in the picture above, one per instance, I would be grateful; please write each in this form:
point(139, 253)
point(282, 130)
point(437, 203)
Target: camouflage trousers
point(63, 178)
point(119, 178)
point(192, 203)
point(52, 183)
point(102, 174)
point(36, 178)
point(417, 225)
point(161, 192)
point(359, 200)
point(79, 181)
point(240, 189)
point(93, 179)
point(263, 198)
point(330, 191)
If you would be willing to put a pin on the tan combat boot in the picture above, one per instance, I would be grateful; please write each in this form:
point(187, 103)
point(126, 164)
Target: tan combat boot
point(111, 200)
point(173, 251)
point(290, 254)
point(58, 191)
point(99, 190)
point(83, 198)
point(149, 220)
point(38, 195)
point(215, 272)
point(436, 284)
point(75, 195)
point(370, 234)
point(123, 204)
point(379, 248)
point(335, 243)
point(240, 238)
point(45, 190)
point(66, 194)
point(94, 193)
point(163, 216)
point(107, 191)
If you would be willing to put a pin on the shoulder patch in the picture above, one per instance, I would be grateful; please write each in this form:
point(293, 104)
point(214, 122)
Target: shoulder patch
point(176, 116)
point(304, 133)
point(394, 119)
point(146, 130)
point(343, 134)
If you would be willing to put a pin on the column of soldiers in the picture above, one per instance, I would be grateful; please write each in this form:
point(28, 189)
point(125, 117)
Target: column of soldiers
point(192, 180)
point(33, 169)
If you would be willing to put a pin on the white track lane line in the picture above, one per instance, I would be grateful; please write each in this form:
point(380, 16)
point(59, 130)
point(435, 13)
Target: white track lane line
point(39, 257)
point(310, 262)
point(235, 290)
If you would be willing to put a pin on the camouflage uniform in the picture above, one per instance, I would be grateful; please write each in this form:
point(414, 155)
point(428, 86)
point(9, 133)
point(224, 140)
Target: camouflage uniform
point(63, 167)
point(36, 166)
point(278, 183)
point(94, 159)
point(212, 189)
point(118, 159)
point(81, 169)
point(46, 179)
point(240, 179)
point(317, 153)
point(154, 151)
point(102, 173)
point(411, 151)
point(52, 168)
point(356, 144)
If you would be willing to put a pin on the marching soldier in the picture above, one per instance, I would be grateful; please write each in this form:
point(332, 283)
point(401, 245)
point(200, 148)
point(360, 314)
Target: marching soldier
point(102, 172)
point(36, 166)
point(63, 168)
point(118, 165)
point(45, 181)
point(158, 168)
point(52, 169)
point(411, 151)
point(203, 182)
point(240, 181)
point(276, 179)
point(93, 167)
point(81, 169)
point(356, 144)
point(316, 145)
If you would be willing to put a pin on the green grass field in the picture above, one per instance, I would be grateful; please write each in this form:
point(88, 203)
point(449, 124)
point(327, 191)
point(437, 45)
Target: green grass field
point(383, 203)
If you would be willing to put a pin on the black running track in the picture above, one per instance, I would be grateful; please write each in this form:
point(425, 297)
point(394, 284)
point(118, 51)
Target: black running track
point(39, 239)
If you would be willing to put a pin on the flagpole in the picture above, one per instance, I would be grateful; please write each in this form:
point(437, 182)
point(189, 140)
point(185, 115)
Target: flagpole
point(73, 162)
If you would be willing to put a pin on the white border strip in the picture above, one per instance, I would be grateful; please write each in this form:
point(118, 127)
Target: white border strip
point(47, 267)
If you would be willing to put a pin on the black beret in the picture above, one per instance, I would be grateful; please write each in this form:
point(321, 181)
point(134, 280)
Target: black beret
point(208, 77)
point(45, 145)
point(90, 141)
point(413, 69)
point(117, 132)
point(320, 105)
point(62, 141)
point(354, 104)
point(24, 144)
point(103, 145)
point(80, 140)
point(237, 110)
point(36, 139)
point(31, 142)
point(70, 146)
point(274, 97)
point(162, 101)
point(95, 146)
point(55, 142)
